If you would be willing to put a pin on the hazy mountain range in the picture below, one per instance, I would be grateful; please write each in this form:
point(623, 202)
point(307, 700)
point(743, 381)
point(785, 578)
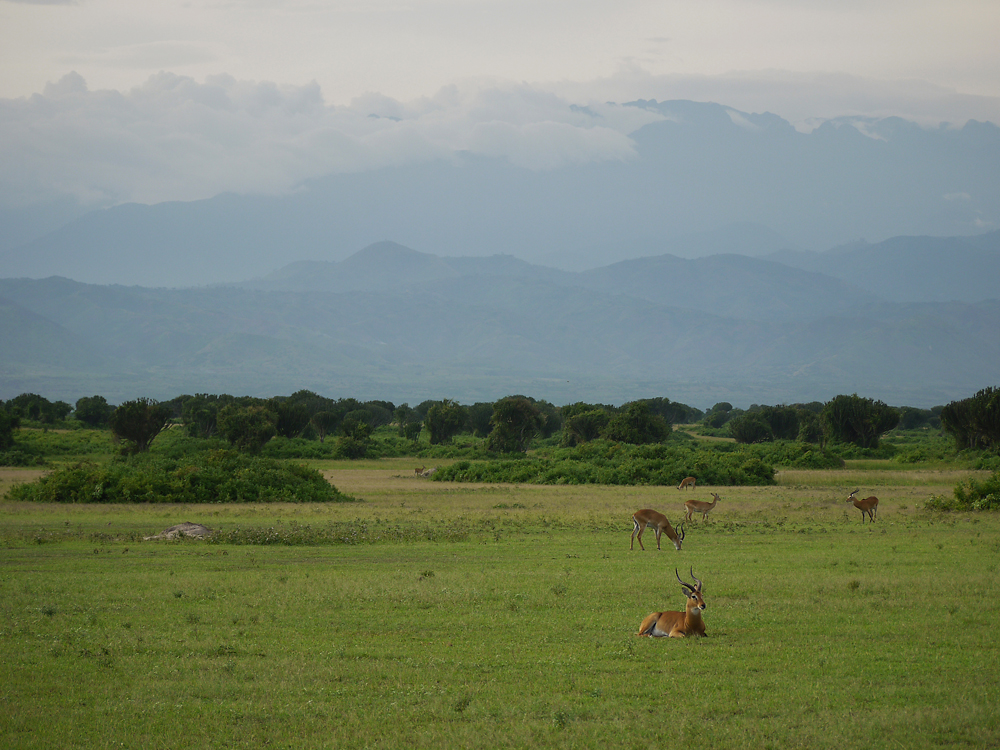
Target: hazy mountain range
point(701, 179)
point(912, 320)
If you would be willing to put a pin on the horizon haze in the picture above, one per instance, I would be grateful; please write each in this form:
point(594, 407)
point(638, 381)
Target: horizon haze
point(610, 152)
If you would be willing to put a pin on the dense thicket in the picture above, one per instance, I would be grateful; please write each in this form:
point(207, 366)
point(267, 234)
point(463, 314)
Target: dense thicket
point(215, 476)
point(606, 462)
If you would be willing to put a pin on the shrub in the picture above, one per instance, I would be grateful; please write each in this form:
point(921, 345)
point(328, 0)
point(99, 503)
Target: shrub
point(604, 462)
point(980, 495)
point(20, 458)
point(214, 476)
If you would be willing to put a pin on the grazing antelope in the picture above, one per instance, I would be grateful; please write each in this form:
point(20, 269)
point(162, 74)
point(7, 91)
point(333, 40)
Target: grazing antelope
point(700, 506)
point(687, 482)
point(643, 518)
point(678, 624)
point(867, 506)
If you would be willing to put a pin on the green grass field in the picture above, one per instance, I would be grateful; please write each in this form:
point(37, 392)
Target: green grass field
point(519, 632)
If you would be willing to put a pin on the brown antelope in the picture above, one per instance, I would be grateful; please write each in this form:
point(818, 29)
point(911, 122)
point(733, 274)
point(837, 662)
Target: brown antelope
point(678, 624)
point(700, 506)
point(687, 482)
point(868, 506)
point(420, 470)
point(643, 518)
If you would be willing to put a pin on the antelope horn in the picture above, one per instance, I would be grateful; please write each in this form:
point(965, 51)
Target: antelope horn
point(688, 586)
point(692, 577)
point(681, 537)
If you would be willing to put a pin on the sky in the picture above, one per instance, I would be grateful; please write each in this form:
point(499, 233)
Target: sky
point(108, 101)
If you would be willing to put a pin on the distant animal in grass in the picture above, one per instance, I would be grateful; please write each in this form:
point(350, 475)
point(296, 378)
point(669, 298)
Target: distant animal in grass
point(646, 517)
point(687, 482)
point(700, 506)
point(868, 506)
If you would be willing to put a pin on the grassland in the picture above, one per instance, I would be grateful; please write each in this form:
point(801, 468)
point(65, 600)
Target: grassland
point(519, 632)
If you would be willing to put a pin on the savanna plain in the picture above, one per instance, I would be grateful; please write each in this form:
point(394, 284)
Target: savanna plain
point(505, 616)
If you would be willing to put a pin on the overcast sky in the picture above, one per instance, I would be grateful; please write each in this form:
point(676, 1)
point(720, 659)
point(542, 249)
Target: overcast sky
point(112, 100)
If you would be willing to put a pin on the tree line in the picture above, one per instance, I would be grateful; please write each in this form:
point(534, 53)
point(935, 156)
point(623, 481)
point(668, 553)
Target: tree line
point(508, 425)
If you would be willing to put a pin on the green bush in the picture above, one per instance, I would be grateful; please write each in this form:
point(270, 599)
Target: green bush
point(604, 462)
point(970, 495)
point(20, 458)
point(980, 495)
point(214, 476)
point(82, 442)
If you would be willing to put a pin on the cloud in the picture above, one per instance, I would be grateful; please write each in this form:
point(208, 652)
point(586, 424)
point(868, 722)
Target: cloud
point(174, 138)
point(804, 99)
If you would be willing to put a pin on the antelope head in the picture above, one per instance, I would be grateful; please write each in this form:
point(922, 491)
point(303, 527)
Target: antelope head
point(695, 601)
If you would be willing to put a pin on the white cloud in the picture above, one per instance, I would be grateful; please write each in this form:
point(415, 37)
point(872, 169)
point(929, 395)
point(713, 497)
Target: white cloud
point(174, 138)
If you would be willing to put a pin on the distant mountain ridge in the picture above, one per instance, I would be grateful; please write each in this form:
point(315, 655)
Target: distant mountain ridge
point(388, 265)
point(779, 285)
point(394, 323)
point(705, 178)
point(909, 269)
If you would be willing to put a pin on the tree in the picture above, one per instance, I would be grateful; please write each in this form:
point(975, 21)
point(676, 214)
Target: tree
point(719, 414)
point(247, 428)
point(635, 423)
point(584, 426)
point(811, 428)
point(444, 420)
point(381, 412)
point(480, 418)
point(200, 412)
point(751, 427)
point(762, 424)
point(408, 422)
point(325, 422)
point(93, 410)
point(38, 408)
point(672, 411)
point(290, 418)
point(8, 423)
point(515, 421)
point(355, 434)
point(974, 422)
point(138, 422)
point(852, 419)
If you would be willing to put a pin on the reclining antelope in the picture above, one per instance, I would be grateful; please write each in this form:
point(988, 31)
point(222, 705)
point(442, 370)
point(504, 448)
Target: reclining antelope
point(700, 506)
point(643, 518)
point(678, 624)
point(868, 506)
point(687, 482)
